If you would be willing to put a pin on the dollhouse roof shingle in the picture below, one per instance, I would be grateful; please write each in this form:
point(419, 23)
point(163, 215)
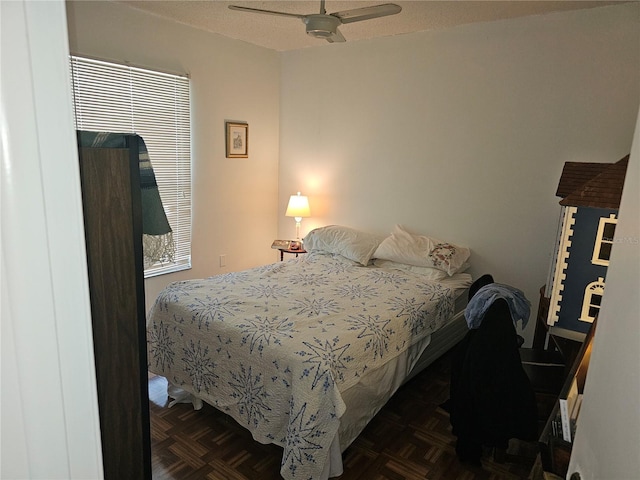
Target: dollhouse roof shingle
point(596, 185)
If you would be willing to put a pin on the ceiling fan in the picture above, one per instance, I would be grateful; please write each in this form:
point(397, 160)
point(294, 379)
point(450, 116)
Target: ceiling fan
point(325, 25)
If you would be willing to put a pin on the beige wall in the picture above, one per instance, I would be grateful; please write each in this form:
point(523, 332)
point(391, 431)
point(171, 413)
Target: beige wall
point(234, 200)
point(608, 431)
point(460, 134)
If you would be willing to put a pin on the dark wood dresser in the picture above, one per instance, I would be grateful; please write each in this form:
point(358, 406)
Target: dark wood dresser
point(111, 200)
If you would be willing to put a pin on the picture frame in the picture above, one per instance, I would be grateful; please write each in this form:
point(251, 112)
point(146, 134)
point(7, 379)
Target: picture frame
point(237, 139)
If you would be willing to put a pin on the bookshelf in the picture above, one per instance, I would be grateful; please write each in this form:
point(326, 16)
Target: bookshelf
point(555, 441)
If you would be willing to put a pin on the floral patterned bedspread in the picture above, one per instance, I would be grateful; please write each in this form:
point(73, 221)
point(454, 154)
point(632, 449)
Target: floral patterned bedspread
point(274, 346)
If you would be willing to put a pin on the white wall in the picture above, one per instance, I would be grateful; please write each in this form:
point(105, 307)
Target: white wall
point(32, 45)
point(462, 133)
point(234, 200)
point(49, 407)
point(608, 431)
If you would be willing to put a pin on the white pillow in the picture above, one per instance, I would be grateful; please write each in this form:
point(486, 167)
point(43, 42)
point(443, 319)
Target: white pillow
point(429, 273)
point(348, 242)
point(422, 251)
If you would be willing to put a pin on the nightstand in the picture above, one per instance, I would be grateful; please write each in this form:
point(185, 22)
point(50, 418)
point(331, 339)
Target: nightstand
point(288, 250)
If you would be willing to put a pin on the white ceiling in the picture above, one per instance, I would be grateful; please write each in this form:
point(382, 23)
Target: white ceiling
point(288, 33)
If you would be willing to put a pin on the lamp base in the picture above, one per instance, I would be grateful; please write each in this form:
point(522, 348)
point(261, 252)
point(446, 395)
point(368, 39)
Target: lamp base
point(298, 220)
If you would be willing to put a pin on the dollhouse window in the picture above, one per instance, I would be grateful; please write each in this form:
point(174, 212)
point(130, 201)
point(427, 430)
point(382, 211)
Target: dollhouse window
point(592, 300)
point(604, 240)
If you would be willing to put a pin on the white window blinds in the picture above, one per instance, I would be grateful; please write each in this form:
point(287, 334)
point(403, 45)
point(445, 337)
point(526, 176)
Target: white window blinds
point(117, 98)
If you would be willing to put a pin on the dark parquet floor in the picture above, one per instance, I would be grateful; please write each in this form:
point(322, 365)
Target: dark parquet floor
point(409, 439)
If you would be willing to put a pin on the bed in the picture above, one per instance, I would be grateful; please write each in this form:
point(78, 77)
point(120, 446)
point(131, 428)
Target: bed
point(303, 353)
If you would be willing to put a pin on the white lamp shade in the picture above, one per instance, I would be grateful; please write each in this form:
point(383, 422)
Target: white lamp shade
point(298, 206)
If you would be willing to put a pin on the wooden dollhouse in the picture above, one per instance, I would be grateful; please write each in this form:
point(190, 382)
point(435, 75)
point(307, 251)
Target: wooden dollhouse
point(590, 195)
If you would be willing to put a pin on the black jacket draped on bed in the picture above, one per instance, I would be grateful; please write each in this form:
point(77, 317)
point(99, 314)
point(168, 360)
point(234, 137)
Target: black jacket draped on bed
point(491, 397)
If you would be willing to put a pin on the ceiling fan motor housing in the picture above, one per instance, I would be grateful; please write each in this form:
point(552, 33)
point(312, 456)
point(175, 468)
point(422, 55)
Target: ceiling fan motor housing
point(321, 26)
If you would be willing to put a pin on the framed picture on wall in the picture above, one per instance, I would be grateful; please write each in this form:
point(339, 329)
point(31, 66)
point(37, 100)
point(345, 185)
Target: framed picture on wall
point(237, 140)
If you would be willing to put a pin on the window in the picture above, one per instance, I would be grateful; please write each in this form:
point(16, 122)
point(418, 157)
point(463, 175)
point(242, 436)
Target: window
point(604, 240)
point(592, 300)
point(117, 98)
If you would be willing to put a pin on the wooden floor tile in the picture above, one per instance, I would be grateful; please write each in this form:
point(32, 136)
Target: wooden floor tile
point(409, 439)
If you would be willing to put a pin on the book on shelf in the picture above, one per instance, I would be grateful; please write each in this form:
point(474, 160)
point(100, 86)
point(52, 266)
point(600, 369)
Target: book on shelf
point(570, 399)
point(567, 404)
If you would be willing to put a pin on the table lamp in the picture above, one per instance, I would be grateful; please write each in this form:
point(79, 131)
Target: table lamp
point(298, 208)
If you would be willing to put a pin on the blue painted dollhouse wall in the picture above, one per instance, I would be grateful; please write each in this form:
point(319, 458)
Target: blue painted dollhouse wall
point(580, 270)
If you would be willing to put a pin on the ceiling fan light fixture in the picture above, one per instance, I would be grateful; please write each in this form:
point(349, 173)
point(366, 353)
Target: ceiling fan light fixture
point(325, 26)
point(321, 26)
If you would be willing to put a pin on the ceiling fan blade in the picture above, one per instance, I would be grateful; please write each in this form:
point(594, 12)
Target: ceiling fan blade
point(336, 37)
point(366, 13)
point(268, 12)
